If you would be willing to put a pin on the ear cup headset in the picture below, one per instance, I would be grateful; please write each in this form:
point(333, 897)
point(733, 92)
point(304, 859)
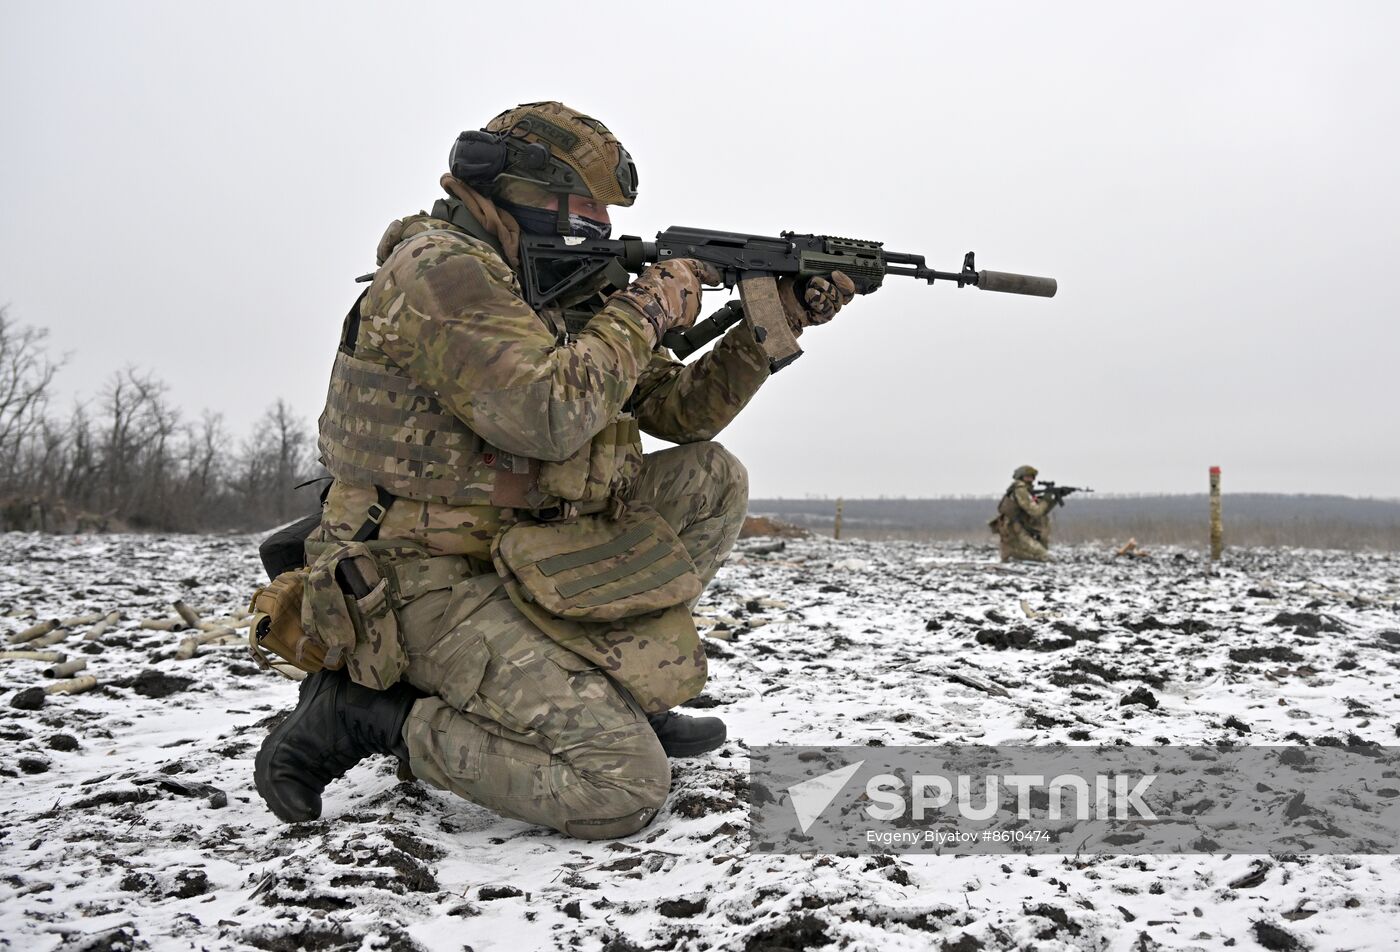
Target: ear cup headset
point(479, 158)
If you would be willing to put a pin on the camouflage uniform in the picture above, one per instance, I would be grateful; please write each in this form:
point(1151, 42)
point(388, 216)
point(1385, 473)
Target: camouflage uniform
point(472, 392)
point(1023, 521)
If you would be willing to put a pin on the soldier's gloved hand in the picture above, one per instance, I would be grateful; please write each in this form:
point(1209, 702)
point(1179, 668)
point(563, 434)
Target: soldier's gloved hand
point(668, 293)
point(819, 302)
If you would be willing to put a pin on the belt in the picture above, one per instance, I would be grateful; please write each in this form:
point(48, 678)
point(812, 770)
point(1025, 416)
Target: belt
point(415, 577)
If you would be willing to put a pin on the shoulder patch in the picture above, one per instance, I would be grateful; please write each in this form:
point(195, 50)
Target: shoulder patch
point(454, 280)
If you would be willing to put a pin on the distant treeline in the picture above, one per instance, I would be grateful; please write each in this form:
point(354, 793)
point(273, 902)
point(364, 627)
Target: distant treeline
point(130, 460)
point(1329, 522)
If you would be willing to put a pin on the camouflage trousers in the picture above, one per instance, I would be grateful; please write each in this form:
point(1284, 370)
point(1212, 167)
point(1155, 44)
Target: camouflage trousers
point(1018, 544)
point(527, 728)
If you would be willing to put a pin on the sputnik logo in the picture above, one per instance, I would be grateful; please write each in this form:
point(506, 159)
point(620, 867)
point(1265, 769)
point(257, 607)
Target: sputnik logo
point(811, 797)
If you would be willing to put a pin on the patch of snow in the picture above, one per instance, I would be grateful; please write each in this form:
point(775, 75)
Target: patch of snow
point(112, 836)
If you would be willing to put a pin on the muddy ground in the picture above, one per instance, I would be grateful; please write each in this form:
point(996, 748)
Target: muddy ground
point(132, 822)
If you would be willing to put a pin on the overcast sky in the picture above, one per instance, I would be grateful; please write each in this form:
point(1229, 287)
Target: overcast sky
point(190, 188)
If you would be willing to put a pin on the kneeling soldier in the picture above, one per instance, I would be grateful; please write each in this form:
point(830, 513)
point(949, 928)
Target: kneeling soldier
point(509, 577)
point(1023, 519)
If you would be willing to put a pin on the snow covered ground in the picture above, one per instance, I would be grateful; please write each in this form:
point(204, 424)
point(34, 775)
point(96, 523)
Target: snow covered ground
point(114, 839)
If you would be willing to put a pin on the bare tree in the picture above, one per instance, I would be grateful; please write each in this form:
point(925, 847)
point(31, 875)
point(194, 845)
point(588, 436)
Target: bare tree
point(289, 437)
point(274, 459)
point(138, 427)
point(127, 458)
point(26, 373)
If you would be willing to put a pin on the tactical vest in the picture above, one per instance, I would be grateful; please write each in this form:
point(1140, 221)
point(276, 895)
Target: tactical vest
point(381, 429)
point(1011, 510)
point(1008, 506)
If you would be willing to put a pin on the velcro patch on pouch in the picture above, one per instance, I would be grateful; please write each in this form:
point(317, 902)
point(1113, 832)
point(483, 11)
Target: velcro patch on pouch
point(596, 568)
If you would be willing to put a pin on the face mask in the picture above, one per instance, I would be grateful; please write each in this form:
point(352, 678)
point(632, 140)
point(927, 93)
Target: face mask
point(543, 221)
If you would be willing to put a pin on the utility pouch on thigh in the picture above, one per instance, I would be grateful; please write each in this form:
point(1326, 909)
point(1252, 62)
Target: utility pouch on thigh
point(276, 637)
point(597, 568)
point(350, 607)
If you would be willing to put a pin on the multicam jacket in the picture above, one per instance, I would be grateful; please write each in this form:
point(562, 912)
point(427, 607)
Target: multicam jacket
point(1020, 507)
point(467, 405)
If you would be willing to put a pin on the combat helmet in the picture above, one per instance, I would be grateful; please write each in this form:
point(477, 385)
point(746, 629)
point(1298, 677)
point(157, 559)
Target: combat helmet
point(546, 147)
point(1024, 472)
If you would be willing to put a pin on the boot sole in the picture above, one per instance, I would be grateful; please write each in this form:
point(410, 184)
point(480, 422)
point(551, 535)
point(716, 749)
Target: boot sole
point(695, 748)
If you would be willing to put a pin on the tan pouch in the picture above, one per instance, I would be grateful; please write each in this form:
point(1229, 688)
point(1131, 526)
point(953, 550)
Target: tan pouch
point(276, 637)
point(597, 568)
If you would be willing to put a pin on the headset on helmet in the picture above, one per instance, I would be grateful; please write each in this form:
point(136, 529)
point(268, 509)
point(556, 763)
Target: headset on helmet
point(550, 146)
point(479, 157)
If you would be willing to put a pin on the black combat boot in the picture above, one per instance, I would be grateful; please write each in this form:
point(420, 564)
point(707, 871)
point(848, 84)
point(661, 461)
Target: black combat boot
point(685, 736)
point(336, 724)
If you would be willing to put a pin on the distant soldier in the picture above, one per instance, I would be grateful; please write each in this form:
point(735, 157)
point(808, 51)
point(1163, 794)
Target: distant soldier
point(1023, 519)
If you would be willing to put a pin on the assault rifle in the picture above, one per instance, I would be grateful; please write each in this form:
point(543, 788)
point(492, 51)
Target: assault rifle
point(559, 272)
point(1058, 493)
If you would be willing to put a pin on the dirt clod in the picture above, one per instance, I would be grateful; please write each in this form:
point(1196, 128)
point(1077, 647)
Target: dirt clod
point(154, 684)
point(30, 699)
point(1305, 623)
point(964, 943)
point(1059, 920)
point(681, 908)
point(1140, 695)
point(799, 932)
point(1277, 654)
point(1021, 637)
point(1276, 938)
point(188, 883)
point(136, 882)
point(488, 893)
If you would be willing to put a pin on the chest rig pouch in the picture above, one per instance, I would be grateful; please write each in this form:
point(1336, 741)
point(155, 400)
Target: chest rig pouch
point(609, 464)
point(603, 470)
